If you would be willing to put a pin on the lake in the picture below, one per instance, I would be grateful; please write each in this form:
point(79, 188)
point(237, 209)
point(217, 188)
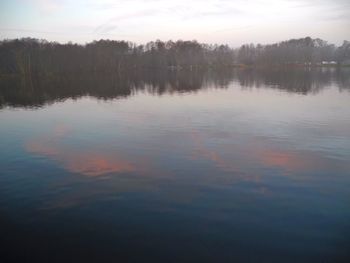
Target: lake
point(176, 166)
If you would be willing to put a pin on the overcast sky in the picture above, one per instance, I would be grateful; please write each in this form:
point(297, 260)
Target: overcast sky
point(213, 21)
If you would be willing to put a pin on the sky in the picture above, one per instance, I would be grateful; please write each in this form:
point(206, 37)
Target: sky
point(233, 22)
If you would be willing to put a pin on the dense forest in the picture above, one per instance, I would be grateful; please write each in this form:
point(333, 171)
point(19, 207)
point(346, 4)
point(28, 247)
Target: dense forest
point(28, 55)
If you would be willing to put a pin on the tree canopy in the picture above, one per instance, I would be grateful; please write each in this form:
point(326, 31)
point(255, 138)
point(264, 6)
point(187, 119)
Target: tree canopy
point(28, 55)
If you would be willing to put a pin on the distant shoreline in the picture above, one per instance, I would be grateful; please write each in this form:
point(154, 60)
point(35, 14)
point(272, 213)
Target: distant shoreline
point(29, 55)
point(187, 69)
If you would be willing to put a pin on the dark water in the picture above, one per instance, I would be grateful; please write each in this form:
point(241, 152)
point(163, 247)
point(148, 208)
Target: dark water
point(230, 166)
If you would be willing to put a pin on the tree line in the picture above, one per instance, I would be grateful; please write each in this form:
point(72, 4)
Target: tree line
point(28, 55)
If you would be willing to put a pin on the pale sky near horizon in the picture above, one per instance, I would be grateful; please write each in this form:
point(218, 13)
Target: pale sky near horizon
point(234, 22)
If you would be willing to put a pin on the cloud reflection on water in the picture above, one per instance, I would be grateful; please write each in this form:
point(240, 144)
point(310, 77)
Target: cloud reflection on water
point(89, 162)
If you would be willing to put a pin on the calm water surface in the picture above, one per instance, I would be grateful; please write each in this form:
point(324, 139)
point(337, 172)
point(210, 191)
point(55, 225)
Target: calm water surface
point(242, 166)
